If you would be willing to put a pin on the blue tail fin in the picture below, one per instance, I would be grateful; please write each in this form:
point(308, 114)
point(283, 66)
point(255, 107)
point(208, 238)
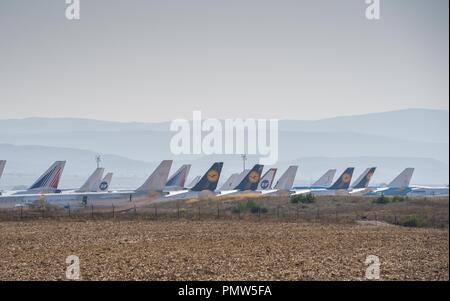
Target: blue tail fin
point(210, 179)
point(343, 182)
point(251, 180)
point(364, 179)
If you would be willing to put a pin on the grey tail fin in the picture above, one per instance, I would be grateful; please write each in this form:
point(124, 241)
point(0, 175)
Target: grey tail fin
point(287, 179)
point(194, 181)
point(93, 181)
point(326, 180)
point(2, 167)
point(403, 179)
point(157, 180)
point(178, 179)
point(228, 185)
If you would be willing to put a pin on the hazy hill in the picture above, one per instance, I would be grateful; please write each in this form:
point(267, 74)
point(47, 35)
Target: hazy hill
point(412, 124)
point(416, 137)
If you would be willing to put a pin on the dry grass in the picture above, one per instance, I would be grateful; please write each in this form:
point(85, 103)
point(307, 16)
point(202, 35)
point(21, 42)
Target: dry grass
point(218, 250)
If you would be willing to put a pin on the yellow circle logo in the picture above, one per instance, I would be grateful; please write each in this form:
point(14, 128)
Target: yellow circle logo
point(346, 178)
point(369, 175)
point(253, 177)
point(213, 176)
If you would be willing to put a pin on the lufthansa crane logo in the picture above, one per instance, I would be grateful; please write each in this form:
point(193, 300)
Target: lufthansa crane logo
point(213, 176)
point(346, 178)
point(369, 175)
point(253, 177)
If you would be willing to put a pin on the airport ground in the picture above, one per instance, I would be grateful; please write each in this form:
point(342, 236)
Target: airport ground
point(328, 239)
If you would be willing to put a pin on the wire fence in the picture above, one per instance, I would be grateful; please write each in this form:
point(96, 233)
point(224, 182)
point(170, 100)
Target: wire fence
point(234, 211)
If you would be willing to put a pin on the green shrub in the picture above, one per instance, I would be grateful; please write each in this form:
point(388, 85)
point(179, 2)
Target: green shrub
point(396, 199)
point(411, 221)
point(303, 198)
point(386, 200)
point(251, 206)
point(381, 200)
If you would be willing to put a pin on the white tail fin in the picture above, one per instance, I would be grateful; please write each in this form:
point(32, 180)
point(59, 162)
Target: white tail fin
point(50, 178)
point(326, 179)
point(239, 178)
point(287, 179)
point(228, 185)
point(178, 179)
point(93, 181)
point(157, 180)
point(2, 167)
point(403, 179)
point(267, 179)
point(194, 181)
point(105, 183)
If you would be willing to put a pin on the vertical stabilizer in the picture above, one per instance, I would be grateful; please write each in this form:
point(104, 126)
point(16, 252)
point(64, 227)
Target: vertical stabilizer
point(210, 179)
point(50, 178)
point(403, 179)
point(326, 180)
point(251, 180)
point(157, 180)
point(267, 179)
point(287, 179)
point(178, 179)
point(364, 178)
point(93, 181)
point(343, 182)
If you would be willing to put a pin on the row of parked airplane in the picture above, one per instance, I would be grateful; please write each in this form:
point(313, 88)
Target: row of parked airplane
point(159, 187)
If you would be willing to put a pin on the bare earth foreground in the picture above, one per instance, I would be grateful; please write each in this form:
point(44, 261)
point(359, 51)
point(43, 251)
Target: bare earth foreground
point(219, 250)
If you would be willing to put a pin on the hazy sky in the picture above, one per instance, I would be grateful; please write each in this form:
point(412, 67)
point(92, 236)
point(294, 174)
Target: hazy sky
point(131, 60)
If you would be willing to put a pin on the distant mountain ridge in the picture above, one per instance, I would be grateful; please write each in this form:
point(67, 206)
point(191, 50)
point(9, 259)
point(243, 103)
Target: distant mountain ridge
point(414, 137)
point(411, 124)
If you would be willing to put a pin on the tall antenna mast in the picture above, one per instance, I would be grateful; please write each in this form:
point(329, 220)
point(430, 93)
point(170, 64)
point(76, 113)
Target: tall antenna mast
point(98, 159)
point(244, 158)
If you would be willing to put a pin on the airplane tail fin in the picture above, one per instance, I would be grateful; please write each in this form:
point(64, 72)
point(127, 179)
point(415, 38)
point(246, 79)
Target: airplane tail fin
point(2, 167)
point(287, 179)
point(210, 179)
point(157, 180)
point(194, 181)
point(50, 178)
point(178, 179)
point(104, 184)
point(229, 183)
point(364, 178)
point(403, 179)
point(267, 179)
point(326, 180)
point(251, 180)
point(93, 181)
point(343, 182)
